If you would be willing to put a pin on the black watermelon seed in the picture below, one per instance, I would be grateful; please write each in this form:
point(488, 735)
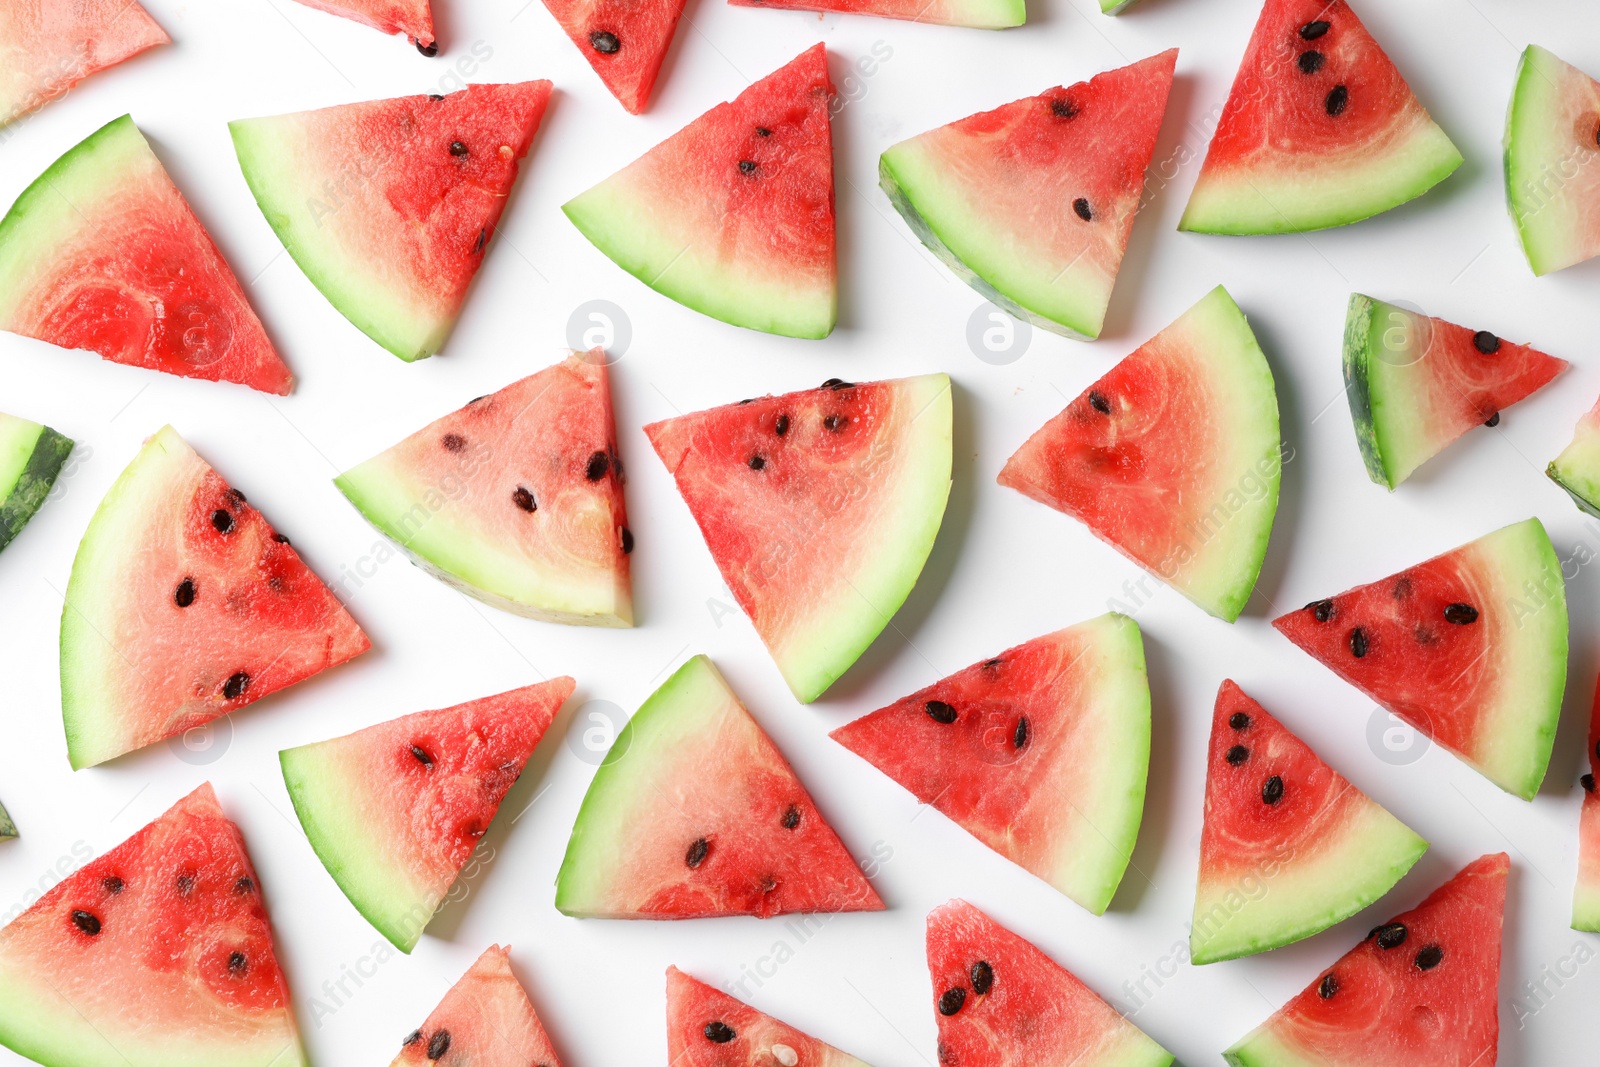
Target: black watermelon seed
point(1461, 614)
point(1358, 642)
point(112, 884)
point(1492, 420)
point(747, 166)
point(833, 423)
point(1322, 610)
point(524, 499)
point(453, 442)
point(421, 755)
point(235, 686)
point(1486, 342)
point(762, 131)
point(222, 520)
point(697, 853)
point(757, 462)
point(1019, 737)
point(245, 884)
point(183, 596)
point(1429, 958)
point(837, 383)
point(86, 922)
point(483, 238)
point(184, 884)
point(769, 884)
point(1312, 30)
point(982, 977)
point(1338, 99)
point(1237, 755)
point(429, 50)
point(1392, 936)
point(940, 712)
point(991, 664)
point(1081, 206)
point(950, 1000)
point(435, 97)
point(1587, 781)
point(605, 43)
point(237, 964)
point(439, 1045)
point(278, 537)
point(412, 1038)
point(627, 541)
point(1328, 986)
point(719, 1033)
point(1311, 62)
point(791, 818)
point(1238, 720)
point(599, 463)
point(458, 149)
point(1098, 401)
point(781, 426)
point(1063, 108)
point(1272, 792)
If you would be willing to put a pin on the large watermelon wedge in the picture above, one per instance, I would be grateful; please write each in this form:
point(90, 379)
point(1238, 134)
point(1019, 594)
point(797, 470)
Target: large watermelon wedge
point(102, 252)
point(979, 14)
point(47, 47)
point(733, 214)
point(389, 205)
point(708, 1028)
point(820, 509)
point(1041, 752)
point(1190, 498)
point(1577, 468)
point(1031, 204)
point(1469, 647)
point(184, 604)
point(1420, 989)
point(395, 810)
point(623, 40)
point(1319, 130)
point(1586, 897)
point(1000, 1002)
point(515, 499)
point(696, 813)
point(1417, 383)
point(156, 954)
point(31, 456)
point(486, 1020)
point(1553, 161)
point(1278, 817)
point(414, 18)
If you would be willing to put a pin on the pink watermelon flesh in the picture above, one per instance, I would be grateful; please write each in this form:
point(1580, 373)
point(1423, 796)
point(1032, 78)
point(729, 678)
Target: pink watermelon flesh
point(708, 1028)
point(1586, 899)
point(414, 18)
point(47, 47)
point(486, 1020)
point(984, 14)
point(1420, 989)
point(157, 954)
point(623, 40)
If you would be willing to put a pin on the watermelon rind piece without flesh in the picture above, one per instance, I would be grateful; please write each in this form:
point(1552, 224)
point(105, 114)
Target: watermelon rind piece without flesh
point(1417, 383)
point(8, 829)
point(741, 835)
point(732, 216)
point(1289, 846)
point(999, 1000)
point(623, 41)
point(184, 605)
point(1190, 500)
point(515, 499)
point(47, 48)
point(1421, 988)
point(1115, 7)
point(1469, 647)
point(485, 1020)
point(156, 954)
point(395, 810)
point(1042, 753)
point(974, 14)
point(1032, 204)
point(1319, 130)
point(1577, 468)
point(414, 18)
point(708, 1028)
point(1552, 161)
point(1586, 896)
point(31, 456)
point(820, 508)
point(389, 206)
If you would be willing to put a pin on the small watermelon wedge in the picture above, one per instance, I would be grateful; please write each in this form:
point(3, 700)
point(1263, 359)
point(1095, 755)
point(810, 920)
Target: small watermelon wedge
point(8, 829)
point(395, 810)
point(103, 253)
point(820, 509)
point(184, 605)
point(1191, 500)
point(389, 205)
point(31, 456)
point(623, 40)
point(157, 954)
point(1586, 898)
point(1319, 130)
point(1577, 468)
point(486, 1020)
point(1041, 752)
point(1552, 147)
point(1277, 816)
point(48, 48)
point(1031, 204)
point(414, 18)
point(1000, 1002)
point(695, 813)
point(1469, 647)
point(977, 14)
point(1420, 989)
point(733, 214)
point(708, 1028)
point(536, 522)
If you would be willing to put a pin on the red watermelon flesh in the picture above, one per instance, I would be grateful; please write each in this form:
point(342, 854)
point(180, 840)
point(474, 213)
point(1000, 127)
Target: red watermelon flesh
point(1420, 989)
point(486, 1020)
point(623, 40)
point(1586, 898)
point(414, 18)
point(708, 1028)
point(47, 47)
point(157, 954)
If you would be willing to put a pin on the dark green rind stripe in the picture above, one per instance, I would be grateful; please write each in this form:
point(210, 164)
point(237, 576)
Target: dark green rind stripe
point(49, 453)
point(1358, 329)
point(1591, 507)
point(8, 829)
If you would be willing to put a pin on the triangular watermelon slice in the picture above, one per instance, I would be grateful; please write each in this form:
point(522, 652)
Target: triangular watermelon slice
point(708, 1028)
point(1577, 468)
point(820, 508)
point(980, 14)
point(156, 954)
point(1319, 130)
point(395, 810)
point(31, 456)
point(1277, 815)
point(1469, 647)
point(1000, 1002)
point(1552, 183)
point(414, 18)
point(1031, 204)
point(623, 40)
point(184, 604)
point(1190, 499)
point(47, 48)
point(389, 205)
point(486, 1020)
point(1586, 898)
point(536, 522)
point(1041, 752)
point(1420, 989)
point(733, 214)
point(696, 813)
point(1416, 383)
point(103, 253)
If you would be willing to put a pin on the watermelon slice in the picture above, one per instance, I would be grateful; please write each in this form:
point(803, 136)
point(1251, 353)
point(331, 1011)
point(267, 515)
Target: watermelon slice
point(1031, 204)
point(1552, 144)
point(47, 48)
point(1421, 988)
point(1417, 383)
point(486, 1020)
point(696, 813)
point(708, 1028)
point(1000, 1002)
point(156, 954)
point(184, 604)
point(1577, 468)
point(8, 829)
point(1586, 898)
point(1279, 817)
point(414, 18)
point(516, 498)
point(979, 14)
point(1190, 499)
point(388, 206)
point(1469, 647)
point(624, 41)
point(1115, 7)
point(781, 485)
point(1041, 752)
point(102, 252)
point(1319, 130)
point(31, 456)
point(733, 214)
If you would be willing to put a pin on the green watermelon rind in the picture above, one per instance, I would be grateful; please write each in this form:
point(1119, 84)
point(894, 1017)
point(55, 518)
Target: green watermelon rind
point(1528, 156)
point(1263, 1049)
point(8, 829)
point(1115, 7)
point(1586, 909)
point(47, 451)
point(1577, 468)
point(1362, 335)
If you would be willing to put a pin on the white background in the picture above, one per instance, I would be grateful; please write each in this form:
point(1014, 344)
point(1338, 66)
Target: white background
point(1004, 569)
